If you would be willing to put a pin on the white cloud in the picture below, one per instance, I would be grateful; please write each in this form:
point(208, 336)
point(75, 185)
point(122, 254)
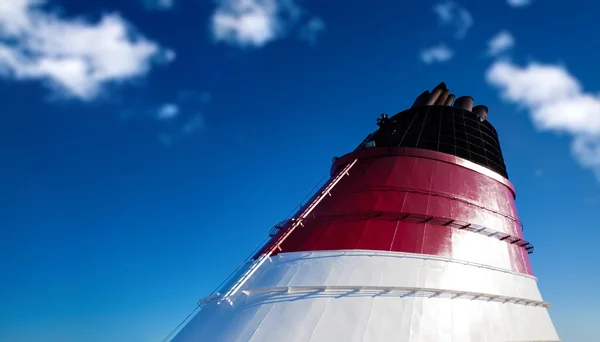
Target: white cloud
point(253, 23)
point(556, 102)
point(73, 56)
point(159, 4)
point(519, 3)
point(500, 43)
point(437, 54)
point(311, 30)
point(168, 111)
point(451, 14)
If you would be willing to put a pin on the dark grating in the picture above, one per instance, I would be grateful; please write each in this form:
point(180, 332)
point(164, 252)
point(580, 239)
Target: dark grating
point(444, 129)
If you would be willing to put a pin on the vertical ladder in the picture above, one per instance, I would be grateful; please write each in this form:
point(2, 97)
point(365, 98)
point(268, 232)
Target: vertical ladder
point(297, 223)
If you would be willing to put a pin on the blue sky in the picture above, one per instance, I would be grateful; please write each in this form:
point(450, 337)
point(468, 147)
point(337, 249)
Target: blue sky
point(146, 147)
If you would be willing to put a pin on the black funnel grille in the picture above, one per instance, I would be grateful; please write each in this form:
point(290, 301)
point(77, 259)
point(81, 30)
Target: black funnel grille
point(444, 129)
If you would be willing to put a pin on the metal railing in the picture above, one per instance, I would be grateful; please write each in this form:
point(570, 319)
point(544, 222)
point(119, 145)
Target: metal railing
point(297, 222)
point(411, 291)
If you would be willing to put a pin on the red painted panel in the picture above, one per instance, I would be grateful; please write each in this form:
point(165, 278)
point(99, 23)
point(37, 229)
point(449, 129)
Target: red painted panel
point(364, 207)
point(353, 230)
point(377, 235)
point(416, 203)
point(409, 238)
point(391, 201)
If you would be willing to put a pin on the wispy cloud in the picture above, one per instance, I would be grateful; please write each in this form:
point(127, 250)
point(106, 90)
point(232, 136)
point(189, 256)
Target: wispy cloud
point(205, 97)
point(556, 102)
point(184, 117)
point(500, 43)
point(519, 3)
point(75, 57)
point(592, 200)
point(254, 23)
point(312, 29)
point(185, 128)
point(437, 54)
point(454, 16)
point(539, 173)
point(194, 96)
point(193, 124)
point(167, 111)
point(158, 4)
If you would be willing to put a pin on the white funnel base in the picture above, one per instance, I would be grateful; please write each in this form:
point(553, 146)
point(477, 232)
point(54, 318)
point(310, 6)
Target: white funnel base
point(371, 296)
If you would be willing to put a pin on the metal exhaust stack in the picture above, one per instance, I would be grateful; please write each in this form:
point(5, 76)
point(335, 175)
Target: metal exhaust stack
point(440, 96)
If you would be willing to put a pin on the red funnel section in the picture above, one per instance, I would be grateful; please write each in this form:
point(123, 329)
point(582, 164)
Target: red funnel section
point(415, 200)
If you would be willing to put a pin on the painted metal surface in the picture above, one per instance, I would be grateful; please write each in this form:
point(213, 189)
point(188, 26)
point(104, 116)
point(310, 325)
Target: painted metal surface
point(416, 152)
point(371, 296)
point(418, 201)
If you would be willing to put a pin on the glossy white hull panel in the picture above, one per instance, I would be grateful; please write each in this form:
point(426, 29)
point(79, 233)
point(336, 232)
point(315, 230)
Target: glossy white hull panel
point(373, 296)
